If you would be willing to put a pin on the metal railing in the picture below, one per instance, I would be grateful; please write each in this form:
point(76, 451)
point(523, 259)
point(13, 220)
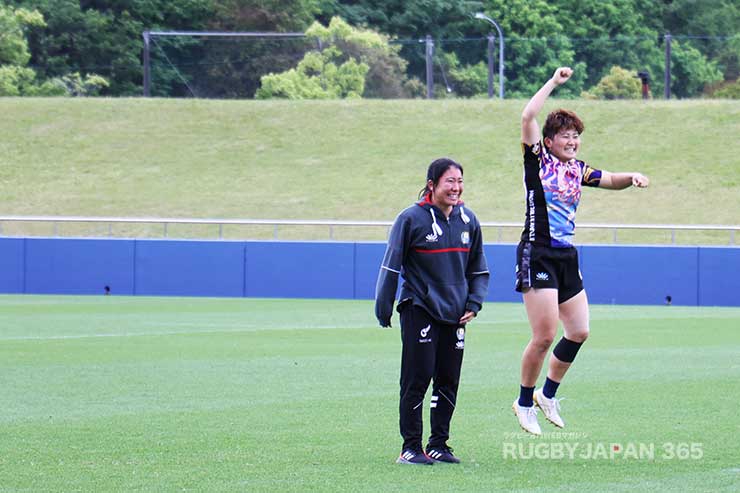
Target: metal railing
point(331, 225)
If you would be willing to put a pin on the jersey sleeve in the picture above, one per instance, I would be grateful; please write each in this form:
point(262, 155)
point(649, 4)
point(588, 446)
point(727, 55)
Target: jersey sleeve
point(532, 153)
point(591, 176)
point(536, 154)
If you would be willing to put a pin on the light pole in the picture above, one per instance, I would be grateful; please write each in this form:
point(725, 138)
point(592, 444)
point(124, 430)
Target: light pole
point(481, 15)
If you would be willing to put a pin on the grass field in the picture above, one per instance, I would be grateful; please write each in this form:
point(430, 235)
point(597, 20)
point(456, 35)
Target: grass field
point(168, 394)
point(353, 160)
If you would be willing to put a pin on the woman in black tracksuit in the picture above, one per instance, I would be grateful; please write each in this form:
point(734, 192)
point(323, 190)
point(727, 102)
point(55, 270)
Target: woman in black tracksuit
point(437, 247)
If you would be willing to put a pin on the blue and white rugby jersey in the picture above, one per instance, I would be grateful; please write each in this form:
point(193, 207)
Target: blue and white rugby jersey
point(553, 190)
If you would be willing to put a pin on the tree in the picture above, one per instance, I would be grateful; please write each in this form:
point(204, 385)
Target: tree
point(618, 84)
point(105, 36)
point(536, 44)
point(714, 21)
point(466, 80)
point(691, 71)
point(352, 63)
point(13, 26)
point(407, 18)
point(614, 33)
point(729, 90)
point(232, 68)
point(76, 85)
point(386, 69)
point(590, 35)
point(264, 15)
point(317, 77)
point(16, 79)
point(412, 19)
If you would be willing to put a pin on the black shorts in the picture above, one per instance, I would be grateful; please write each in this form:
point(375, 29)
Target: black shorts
point(546, 267)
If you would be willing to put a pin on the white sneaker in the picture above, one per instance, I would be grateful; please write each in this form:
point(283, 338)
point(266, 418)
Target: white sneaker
point(550, 408)
point(527, 418)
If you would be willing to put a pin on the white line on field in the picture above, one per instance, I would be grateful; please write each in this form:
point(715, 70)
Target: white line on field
point(225, 328)
point(211, 331)
point(138, 334)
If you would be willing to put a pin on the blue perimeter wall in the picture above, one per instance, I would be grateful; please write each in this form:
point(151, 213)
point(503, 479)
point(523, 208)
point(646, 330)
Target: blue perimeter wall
point(612, 274)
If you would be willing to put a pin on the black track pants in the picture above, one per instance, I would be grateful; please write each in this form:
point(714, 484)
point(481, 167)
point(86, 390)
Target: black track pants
point(431, 351)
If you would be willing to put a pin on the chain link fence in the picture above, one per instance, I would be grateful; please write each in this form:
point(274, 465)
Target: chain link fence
point(232, 65)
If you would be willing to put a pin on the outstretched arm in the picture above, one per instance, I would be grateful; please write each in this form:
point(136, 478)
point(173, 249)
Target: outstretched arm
point(530, 130)
point(620, 181)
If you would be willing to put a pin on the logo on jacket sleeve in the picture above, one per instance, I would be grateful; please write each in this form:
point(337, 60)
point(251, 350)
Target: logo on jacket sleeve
point(465, 237)
point(542, 276)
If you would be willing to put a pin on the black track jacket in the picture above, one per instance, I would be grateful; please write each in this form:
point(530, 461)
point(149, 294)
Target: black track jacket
point(441, 261)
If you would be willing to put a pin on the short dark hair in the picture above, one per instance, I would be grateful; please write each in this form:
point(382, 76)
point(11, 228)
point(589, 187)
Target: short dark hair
point(561, 119)
point(436, 170)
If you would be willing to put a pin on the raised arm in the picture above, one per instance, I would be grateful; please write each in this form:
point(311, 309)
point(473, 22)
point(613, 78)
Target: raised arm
point(530, 129)
point(620, 181)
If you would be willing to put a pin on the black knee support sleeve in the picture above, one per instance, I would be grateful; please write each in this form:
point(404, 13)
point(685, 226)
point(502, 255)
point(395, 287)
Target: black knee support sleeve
point(566, 350)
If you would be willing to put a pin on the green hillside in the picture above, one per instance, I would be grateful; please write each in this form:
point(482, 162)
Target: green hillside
point(354, 160)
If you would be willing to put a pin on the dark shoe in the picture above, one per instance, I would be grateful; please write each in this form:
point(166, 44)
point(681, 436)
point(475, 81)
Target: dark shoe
point(442, 454)
point(410, 456)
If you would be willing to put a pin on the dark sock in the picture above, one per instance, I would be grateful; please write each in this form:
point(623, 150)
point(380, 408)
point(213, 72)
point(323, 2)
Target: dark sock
point(551, 386)
point(525, 396)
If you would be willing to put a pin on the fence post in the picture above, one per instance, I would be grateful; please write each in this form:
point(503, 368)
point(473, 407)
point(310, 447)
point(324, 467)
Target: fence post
point(430, 66)
point(147, 73)
point(667, 89)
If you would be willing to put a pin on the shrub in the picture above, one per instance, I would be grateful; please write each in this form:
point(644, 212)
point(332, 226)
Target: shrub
point(350, 63)
point(468, 80)
point(729, 90)
point(619, 83)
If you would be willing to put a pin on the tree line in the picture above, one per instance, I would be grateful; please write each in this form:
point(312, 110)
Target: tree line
point(366, 48)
